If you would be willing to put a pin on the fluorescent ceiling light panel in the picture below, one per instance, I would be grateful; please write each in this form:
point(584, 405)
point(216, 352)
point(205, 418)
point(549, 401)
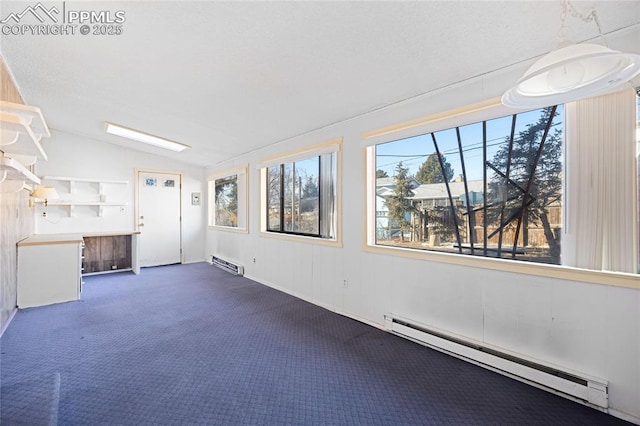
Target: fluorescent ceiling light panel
point(135, 135)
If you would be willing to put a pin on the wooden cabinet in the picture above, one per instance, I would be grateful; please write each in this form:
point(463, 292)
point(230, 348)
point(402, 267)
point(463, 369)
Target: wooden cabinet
point(107, 253)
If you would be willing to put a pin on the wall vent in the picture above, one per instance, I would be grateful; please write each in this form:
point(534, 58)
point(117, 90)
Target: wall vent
point(227, 265)
point(576, 386)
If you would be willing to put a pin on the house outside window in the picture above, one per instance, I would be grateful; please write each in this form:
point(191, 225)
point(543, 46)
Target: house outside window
point(492, 188)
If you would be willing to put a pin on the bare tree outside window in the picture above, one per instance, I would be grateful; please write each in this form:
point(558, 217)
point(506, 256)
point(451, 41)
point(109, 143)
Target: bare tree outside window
point(301, 197)
point(226, 201)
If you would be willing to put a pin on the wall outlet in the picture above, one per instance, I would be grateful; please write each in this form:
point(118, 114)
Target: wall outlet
point(345, 284)
point(44, 214)
point(254, 260)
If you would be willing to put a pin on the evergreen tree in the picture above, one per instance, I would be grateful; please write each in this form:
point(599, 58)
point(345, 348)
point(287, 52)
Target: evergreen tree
point(310, 188)
point(546, 187)
point(381, 174)
point(398, 204)
point(430, 172)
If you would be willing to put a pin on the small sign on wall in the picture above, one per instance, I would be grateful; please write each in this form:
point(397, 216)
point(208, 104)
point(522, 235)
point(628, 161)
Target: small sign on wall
point(195, 198)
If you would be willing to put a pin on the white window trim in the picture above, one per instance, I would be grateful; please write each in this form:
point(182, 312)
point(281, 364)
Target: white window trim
point(441, 121)
point(326, 147)
point(460, 116)
point(240, 170)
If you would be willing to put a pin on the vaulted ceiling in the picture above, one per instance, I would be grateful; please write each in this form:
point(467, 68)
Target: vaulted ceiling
point(228, 78)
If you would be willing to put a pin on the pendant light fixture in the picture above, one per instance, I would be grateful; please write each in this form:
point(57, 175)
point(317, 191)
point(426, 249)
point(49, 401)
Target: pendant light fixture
point(572, 71)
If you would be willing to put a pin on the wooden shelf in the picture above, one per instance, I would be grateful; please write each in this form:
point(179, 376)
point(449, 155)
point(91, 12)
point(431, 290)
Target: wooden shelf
point(11, 169)
point(31, 115)
point(86, 200)
point(84, 203)
point(17, 135)
point(14, 176)
point(71, 179)
point(72, 204)
point(21, 129)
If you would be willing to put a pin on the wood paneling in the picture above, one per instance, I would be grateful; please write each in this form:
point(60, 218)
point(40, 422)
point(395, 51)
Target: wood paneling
point(16, 223)
point(16, 219)
point(91, 253)
point(106, 253)
point(8, 89)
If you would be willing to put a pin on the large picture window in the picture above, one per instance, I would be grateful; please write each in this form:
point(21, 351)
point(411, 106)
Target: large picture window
point(491, 188)
point(301, 193)
point(228, 200)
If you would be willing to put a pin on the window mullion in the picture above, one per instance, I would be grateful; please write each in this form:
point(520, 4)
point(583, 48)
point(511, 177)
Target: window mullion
point(281, 197)
point(534, 166)
point(505, 192)
point(485, 223)
point(466, 190)
point(320, 188)
point(446, 183)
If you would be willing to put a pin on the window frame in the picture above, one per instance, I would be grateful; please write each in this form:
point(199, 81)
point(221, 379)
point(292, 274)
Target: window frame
point(471, 236)
point(282, 220)
point(243, 198)
point(458, 117)
point(331, 146)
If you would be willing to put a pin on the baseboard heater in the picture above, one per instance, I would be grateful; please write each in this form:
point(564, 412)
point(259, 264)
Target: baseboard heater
point(576, 386)
point(227, 265)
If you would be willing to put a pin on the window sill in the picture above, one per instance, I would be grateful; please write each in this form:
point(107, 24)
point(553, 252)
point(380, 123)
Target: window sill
point(228, 229)
point(302, 239)
point(616, 279)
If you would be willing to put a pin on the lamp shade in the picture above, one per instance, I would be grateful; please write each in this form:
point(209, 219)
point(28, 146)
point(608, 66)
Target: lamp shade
point(572, 72)
point(45, 192)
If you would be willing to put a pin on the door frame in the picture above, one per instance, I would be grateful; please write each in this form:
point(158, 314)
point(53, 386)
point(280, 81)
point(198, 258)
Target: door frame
point(136, 208)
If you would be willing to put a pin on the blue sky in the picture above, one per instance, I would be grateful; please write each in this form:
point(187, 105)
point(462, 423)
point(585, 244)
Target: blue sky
point(414, 151)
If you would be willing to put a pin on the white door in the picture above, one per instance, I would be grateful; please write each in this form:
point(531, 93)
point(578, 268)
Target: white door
point(159, 218)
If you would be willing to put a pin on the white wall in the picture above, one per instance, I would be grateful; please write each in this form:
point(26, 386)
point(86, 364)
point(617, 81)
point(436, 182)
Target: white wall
point(78, 157)
point(589, 328)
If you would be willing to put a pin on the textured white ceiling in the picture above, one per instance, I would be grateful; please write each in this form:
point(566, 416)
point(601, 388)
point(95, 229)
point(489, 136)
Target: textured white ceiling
point(227, 78)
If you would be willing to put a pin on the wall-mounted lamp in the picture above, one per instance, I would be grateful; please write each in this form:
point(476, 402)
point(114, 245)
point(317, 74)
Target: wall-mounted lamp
point(572, 71)
point(44, 192)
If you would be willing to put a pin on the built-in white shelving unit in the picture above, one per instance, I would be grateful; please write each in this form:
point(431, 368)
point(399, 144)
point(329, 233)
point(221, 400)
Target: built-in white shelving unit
point(11, 169)
point(97, 199)
point(22, 127)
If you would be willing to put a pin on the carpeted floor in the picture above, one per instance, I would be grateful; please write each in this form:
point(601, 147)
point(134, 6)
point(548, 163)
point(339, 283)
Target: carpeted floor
point(191, 344)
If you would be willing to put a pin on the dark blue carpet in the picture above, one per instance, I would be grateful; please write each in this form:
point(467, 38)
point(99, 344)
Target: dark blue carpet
point(32, 402)
point(191, 344)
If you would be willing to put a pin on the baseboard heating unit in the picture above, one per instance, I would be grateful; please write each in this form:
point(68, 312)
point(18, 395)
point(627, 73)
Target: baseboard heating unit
point(576, 386)
point(227, 265)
